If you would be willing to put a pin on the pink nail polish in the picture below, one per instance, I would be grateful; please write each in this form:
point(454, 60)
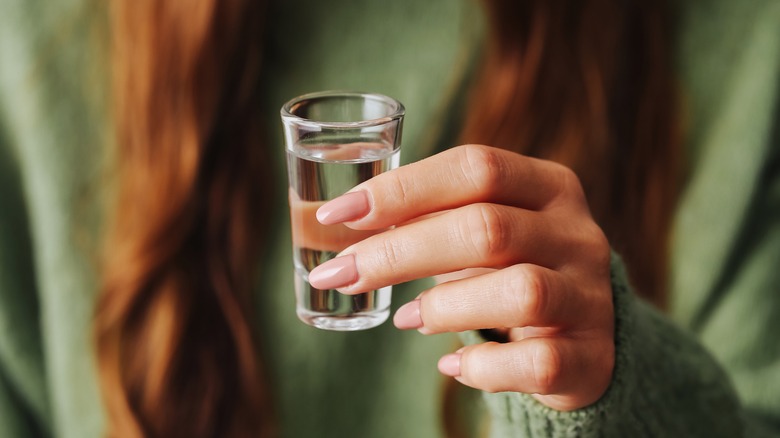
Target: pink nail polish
point(334, 273)
point(449, 365)
point(408, 316)
point(347, 207)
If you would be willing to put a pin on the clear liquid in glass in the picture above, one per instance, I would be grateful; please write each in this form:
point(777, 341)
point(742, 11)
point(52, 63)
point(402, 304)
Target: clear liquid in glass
point(319, 173)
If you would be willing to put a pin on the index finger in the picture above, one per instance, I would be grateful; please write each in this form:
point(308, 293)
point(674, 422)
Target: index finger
point(457, 177)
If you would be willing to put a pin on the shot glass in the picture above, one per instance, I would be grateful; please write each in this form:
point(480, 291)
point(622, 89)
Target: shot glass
point(335, 140)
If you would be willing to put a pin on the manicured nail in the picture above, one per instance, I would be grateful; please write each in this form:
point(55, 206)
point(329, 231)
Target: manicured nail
point(347, 207)
point(408, 316)
point(449, 365)
point(334, 273)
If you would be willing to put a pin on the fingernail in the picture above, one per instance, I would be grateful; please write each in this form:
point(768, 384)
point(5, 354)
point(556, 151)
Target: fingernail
point(449, 365)
point(347, 207)
point(408, 316)
point(334, 273)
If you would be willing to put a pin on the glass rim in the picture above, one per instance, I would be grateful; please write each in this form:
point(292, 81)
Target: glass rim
point(397, 109)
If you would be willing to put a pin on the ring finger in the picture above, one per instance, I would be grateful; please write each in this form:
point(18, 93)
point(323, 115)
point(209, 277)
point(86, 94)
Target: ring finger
point(518, 296)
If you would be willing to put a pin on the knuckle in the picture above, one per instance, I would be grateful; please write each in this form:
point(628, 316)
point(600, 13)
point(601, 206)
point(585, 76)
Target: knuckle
point(487, 231)
point(388, 254)
point(547, 367)
point(529, 289)
point(593, 242)
point(569, 183)
point(482, 167)
point(397, 188)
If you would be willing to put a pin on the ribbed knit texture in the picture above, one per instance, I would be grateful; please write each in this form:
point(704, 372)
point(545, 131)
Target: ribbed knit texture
point(664, 384)
point(713, 372)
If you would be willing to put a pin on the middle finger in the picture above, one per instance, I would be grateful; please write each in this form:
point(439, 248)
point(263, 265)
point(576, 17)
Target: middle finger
point(477, 235)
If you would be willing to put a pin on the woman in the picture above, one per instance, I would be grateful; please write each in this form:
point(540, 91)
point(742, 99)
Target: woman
point(589, 85)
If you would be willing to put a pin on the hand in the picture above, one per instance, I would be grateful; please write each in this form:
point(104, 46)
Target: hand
point(547, 280)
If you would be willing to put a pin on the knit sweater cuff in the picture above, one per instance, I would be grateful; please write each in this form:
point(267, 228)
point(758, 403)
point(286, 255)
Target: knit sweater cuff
point(657, 371)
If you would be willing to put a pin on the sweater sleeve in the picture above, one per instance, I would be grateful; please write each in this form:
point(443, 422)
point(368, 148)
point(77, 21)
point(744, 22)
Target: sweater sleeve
point(664, 384)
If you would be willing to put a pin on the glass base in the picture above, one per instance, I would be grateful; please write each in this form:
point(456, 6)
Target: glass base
point(332, 310)
point(344, 323)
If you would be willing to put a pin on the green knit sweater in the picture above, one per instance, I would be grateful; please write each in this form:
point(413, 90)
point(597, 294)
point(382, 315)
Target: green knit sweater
point(710, 368)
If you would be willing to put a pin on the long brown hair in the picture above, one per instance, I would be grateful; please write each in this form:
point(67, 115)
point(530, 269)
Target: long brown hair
point(175, 346)
point(587, 83)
